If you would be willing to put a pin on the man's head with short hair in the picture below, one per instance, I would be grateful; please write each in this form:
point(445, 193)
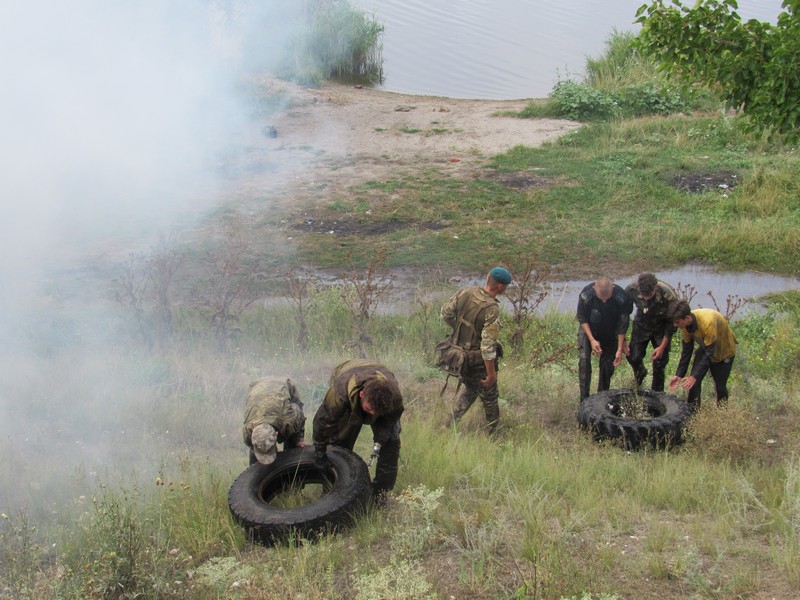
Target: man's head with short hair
point(380, 394)
point(647, 284)
point(678, 310)
point(603, 287)
point(500, 275)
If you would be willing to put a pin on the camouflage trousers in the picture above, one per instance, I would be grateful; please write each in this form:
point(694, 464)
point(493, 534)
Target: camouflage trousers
point(388, 460)
point(641, 337)
point(474, 388)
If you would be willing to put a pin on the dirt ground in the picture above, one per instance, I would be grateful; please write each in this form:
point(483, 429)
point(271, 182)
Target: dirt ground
point(328, 139)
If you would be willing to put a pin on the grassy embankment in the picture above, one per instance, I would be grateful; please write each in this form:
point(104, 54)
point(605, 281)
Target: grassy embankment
point(539, 512)
point(601, 199)
point(542, 511)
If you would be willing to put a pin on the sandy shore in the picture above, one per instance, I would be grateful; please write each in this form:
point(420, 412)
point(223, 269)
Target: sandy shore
point(337, 136)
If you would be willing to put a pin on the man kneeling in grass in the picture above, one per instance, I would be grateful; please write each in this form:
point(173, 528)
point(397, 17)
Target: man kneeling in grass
point(716, 349)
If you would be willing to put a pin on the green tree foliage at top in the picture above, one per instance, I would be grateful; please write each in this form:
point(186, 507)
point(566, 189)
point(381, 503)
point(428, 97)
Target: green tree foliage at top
point(753, 64)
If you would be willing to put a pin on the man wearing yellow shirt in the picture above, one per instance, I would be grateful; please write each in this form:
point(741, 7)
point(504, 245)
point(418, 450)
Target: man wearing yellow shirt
point(716, 349)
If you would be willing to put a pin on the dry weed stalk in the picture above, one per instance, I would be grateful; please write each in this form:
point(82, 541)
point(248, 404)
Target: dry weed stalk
point(732, 303)
point(685, 291)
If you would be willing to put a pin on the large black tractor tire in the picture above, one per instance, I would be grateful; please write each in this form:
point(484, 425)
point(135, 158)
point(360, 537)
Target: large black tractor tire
point(602, 414)
point(347, 490)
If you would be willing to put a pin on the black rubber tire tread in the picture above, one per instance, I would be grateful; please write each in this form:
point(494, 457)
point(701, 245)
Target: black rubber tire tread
point(348, 492)
point(665, 429)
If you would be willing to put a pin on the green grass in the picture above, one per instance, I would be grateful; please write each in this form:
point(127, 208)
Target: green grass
point(152, 434)
point(541, 511)
point(598, 180)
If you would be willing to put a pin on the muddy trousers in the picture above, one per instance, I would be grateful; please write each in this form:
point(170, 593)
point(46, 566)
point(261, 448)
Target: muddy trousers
point(640, 339)
point(719, 373)
point(388, 460)
point(609, 350)
point(474, 388)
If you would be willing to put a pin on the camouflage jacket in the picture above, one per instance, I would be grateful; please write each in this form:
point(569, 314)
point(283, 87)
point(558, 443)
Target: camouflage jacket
point(340, 414)
point(275, 401)
point(651, 315)
point(474, 316)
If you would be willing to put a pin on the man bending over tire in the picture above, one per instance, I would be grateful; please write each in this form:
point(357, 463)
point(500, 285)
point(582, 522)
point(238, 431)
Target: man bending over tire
point(362, 392)
point(652, 297)
point(273, 414)
point(604, 311)
point(716, 349)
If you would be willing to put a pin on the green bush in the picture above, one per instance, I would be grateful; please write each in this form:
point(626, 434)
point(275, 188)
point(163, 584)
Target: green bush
point(620, 83)
point(581, 102)
point(648, 98)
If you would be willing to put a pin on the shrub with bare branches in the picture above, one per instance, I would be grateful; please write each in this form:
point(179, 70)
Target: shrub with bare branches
point(144, 287)
point(130, 290)
point(526, 292)
point(230, 286)
point(302, 290)
point(362, 293)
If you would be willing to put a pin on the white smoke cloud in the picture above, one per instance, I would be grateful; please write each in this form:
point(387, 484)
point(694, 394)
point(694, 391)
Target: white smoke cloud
point(110, 114)
point(113, 116)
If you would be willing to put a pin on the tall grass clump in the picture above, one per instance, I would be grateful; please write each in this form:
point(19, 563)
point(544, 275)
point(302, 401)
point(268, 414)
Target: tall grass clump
point(114, 549)
point(339, 42)
point(21, 555)
point(725, 433)
point(769, 346)
point(790, 557)
point(621, 64)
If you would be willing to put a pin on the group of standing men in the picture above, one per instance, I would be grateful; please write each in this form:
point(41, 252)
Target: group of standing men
point(364, 392)
point(604, 310)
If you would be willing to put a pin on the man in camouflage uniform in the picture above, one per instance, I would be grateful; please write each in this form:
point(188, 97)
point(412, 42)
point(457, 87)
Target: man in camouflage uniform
point(362, 392)
point(273, 414)
point(651, 325)
point(474, 315)
point(603, 313)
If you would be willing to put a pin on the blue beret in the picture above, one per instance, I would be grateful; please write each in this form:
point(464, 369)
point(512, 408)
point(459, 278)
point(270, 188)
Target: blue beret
point(500, 275)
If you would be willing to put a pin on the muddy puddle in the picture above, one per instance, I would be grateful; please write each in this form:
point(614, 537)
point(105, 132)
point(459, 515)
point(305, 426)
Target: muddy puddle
point(698, 279)
point(407, 293)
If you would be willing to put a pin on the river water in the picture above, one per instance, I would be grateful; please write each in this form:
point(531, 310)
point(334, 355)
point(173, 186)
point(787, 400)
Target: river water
point(502, 49)
point(510, 49)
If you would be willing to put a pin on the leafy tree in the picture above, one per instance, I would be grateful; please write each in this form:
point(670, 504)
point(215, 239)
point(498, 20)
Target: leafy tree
point(752, 63)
